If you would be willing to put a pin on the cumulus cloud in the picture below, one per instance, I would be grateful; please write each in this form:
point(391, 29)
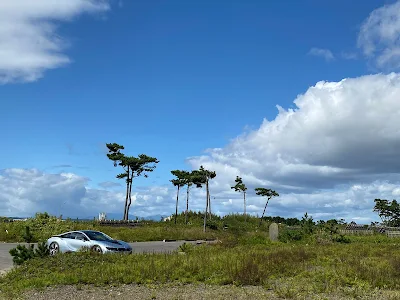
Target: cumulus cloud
point(331, 156)
point(23, 192)
point(379, 36)
point(26, 191)
point(341, 134)
point(324, 53)
point(29, 43)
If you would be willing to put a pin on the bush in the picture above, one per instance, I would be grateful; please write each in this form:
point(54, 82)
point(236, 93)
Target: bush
point(340, 238)
point(288, 235)
point(212, 225)
point(42, 250)
point(28, 236)
point(23, 253)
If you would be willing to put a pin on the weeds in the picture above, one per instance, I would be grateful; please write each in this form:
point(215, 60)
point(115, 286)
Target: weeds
point(318, 268)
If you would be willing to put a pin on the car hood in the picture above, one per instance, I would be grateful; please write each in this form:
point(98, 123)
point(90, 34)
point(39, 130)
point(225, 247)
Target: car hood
point(115, 244)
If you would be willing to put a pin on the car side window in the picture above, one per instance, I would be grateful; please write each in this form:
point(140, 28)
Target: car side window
point(79, 236)
point(66, 236)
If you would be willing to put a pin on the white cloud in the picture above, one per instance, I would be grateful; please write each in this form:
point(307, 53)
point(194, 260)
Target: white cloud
point(330, 156)
point(26, 191)
point(379, 36)
point(23, 192)
point(343, 136)
point(349, 55)
point(29, 44)
point(324, 53)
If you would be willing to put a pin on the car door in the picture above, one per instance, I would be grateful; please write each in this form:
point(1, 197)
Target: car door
point(77, 241)
point(64, 242)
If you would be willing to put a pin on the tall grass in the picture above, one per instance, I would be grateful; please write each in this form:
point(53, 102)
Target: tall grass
point(316, 268)
point(44, 226)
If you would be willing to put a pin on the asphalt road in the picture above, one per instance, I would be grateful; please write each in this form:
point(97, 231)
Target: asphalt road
point(139, 247)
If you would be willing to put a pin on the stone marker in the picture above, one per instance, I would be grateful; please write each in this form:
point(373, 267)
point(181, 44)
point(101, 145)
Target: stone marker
point(273, 232)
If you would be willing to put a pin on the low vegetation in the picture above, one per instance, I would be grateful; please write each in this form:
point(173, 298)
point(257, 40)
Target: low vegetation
point(23, 253)
point(290, 270)
point(43, 226)
point(309, 257)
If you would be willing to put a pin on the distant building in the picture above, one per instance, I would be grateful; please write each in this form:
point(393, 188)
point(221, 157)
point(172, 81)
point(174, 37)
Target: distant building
point(102, 216)
point(167, 219)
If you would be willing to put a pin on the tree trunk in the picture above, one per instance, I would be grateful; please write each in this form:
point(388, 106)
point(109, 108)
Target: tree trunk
point(209, 204)
point(130, 198)
point(176, 209)
point(127, 194)
point(264, 211)
point(244, 200)
point(205, 214)
point(187, 204)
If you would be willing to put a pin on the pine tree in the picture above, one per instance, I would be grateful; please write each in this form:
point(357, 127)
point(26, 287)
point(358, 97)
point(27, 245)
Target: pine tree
point(265, 193)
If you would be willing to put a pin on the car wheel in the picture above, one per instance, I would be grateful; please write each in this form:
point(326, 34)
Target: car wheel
point(97, 249)
point(54, 248)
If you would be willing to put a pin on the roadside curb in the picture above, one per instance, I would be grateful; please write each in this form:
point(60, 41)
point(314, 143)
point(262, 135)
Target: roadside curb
point(197, 241)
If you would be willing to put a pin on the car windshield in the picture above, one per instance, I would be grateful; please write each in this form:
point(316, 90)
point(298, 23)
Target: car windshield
point(97, 236)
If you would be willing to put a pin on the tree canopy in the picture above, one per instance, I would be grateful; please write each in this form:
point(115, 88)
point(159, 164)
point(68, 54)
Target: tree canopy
point(240, 187)
point(388, 211)
point(180, 180)
point(202, 177)
point(265, 193)
point(132, 167)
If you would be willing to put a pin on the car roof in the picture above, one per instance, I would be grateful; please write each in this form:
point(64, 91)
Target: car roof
point(79, 231)
point(89, 231)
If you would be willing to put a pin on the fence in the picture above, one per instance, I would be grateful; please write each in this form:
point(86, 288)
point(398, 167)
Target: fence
point(120, 223)
point(393, 234)
point(369, 230)
point(356, 232)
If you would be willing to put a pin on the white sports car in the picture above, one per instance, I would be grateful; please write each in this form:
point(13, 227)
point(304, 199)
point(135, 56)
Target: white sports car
point(94, 240)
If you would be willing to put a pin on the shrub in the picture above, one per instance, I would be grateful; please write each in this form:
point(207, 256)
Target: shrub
point(340, 238)
point(307, 224)
point(28, 236)
point(23, 253)
point(212, 225)
point(288, 235)
point(42, 250)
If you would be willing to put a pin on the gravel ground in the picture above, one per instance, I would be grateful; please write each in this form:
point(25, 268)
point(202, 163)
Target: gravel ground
point(136, 292)
point(185, 292)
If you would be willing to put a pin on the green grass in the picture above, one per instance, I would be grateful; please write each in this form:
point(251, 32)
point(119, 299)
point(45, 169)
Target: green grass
point(43, 227)
point(310, 260)
point(289, 269)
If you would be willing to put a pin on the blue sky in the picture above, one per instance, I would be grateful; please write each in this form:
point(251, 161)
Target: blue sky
point(169, 79)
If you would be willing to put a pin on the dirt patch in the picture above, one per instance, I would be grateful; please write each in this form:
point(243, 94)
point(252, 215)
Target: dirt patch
point(165, 292)
point(186, 292)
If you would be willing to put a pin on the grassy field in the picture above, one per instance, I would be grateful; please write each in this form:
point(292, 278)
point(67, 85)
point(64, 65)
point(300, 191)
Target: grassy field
point(43, 226)
point(311, 260)
point(291, 270)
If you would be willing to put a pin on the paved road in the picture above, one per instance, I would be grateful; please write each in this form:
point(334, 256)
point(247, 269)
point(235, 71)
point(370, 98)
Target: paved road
point(139, 247)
